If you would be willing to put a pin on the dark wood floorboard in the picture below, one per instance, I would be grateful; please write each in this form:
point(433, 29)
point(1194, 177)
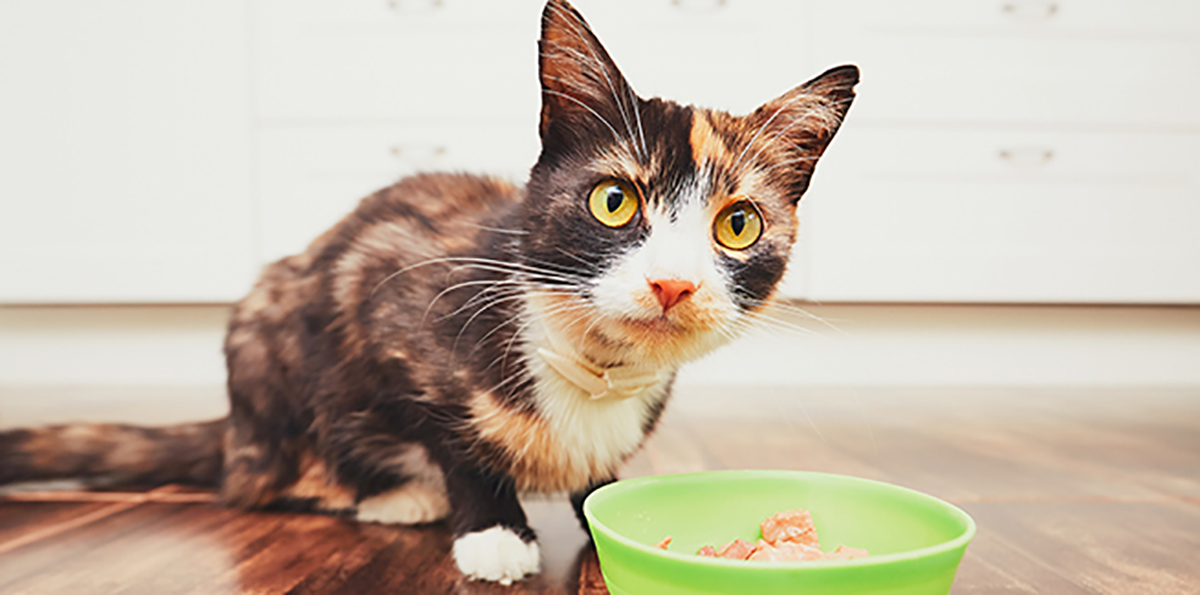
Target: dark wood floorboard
point(1074, 491)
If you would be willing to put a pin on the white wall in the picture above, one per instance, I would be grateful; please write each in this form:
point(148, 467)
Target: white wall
point(897, 345)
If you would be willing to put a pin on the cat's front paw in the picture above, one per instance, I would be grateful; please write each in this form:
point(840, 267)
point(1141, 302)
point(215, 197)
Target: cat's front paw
point(496, 554)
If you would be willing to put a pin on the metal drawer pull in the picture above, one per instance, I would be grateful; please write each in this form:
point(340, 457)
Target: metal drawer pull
point(417, 154)
point(700, 5)
point(415, 6)
point(1030, 10)
point(1027, 156)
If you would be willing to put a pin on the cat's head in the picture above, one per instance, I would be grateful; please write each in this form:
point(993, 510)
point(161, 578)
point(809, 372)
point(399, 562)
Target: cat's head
point(662, 228)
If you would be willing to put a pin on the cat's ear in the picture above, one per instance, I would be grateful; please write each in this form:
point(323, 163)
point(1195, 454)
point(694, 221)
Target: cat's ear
point(582, 89)
point(802, 121)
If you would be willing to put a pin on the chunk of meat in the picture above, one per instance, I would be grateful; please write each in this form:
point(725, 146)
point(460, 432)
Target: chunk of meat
point(795, 526)
point(846, 553)
point(736, 549)
point(788, 536)
point(786, 551)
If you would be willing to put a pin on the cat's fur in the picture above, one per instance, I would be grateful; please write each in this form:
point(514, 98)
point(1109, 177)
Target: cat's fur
point(393, 370)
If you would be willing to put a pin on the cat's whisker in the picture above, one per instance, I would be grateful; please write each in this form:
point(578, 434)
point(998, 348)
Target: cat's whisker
point(793, 309)
point(591, 326)
point(786, 162)
point(587, 272)
point(522, 293)
point(501, 289)
point(503, 357)
point(765, 320)
point(456, 286)
point(494, 302)
point(497, 229)
point(574, 256)
point(524, 270)
point(637, 112)
point(812, 424)
point(489, 283)
point(502, 266)
point(751, 321)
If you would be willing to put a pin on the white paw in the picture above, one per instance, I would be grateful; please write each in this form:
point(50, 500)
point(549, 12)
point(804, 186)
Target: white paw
point(495, 554)
point(414, 502)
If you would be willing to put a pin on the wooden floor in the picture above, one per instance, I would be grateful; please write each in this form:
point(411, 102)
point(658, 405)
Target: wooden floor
point(1074, 491)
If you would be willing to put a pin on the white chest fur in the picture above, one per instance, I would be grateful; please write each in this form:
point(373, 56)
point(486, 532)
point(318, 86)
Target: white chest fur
point(592, 435)
point(596, 433)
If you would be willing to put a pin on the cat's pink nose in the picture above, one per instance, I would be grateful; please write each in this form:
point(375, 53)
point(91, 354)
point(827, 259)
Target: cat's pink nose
point(671, 291)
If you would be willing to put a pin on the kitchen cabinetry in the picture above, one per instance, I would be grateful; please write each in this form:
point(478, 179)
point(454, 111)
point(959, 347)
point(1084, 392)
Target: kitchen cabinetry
point(125, 171)
point(1015, 151)
point(999, 151)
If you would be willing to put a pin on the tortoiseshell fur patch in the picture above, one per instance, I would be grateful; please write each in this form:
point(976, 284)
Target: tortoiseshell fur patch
point(403, 344)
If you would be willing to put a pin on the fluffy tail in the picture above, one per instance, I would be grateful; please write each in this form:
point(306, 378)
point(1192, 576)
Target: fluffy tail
point(115, 454)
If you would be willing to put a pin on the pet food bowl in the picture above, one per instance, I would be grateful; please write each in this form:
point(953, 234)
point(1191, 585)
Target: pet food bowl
point(915, 541)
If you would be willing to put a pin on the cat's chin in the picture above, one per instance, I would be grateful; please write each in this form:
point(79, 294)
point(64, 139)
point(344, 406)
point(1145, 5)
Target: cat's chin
point(668, 341)
point(658, 324)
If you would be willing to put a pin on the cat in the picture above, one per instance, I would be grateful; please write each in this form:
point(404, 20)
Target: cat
point(457, 339)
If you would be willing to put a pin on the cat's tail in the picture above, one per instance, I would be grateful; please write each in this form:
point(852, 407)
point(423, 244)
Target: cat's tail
point(115, 454)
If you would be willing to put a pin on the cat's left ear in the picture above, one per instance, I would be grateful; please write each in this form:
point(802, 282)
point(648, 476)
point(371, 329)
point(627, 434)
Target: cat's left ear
point(802, 121)
point(582, 89)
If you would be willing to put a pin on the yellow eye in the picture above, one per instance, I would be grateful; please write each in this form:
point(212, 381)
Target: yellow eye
point(613, 203)
point(738, 225)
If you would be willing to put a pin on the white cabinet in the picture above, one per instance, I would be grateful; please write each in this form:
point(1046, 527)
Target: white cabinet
point(1046, 62)
point(124, 152)
point(311, 176)
point(966, 215)
point(999, 151)
point(1017, 151)
point(452, 60)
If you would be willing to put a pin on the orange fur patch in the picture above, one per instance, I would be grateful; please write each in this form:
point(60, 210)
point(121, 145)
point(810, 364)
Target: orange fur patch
point(707, 147)
point(533, 457)
point(316, 482)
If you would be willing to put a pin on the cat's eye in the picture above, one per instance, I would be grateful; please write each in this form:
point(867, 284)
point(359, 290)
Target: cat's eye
point(738, 225)
point(613, 203)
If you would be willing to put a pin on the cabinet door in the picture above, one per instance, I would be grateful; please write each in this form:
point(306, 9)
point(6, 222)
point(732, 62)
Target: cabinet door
point(124, 157)
point(1060, 62)
point(937, 215)
point(451, 60)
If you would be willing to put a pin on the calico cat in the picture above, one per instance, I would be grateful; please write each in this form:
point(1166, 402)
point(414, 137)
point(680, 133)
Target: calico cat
point(457, 339)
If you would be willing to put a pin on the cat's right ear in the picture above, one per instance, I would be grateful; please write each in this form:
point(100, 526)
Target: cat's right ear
point(582, 89)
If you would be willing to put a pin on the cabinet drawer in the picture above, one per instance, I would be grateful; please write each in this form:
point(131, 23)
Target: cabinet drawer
point(463, 59)
point(916, 215)
point(726, 54)
point(312, 176)
point(474, 59)
point(1041, 61)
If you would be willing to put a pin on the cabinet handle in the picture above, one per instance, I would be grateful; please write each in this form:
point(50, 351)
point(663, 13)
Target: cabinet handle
point(1030, 10)
point(415, 6)
point(700, 5)
point(1027, 157)
point(417, 154)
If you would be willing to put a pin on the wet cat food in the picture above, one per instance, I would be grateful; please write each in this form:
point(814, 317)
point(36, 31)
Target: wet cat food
point(787, 536)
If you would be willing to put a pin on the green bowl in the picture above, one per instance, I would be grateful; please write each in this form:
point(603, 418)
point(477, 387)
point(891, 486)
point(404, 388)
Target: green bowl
point(916, 541)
